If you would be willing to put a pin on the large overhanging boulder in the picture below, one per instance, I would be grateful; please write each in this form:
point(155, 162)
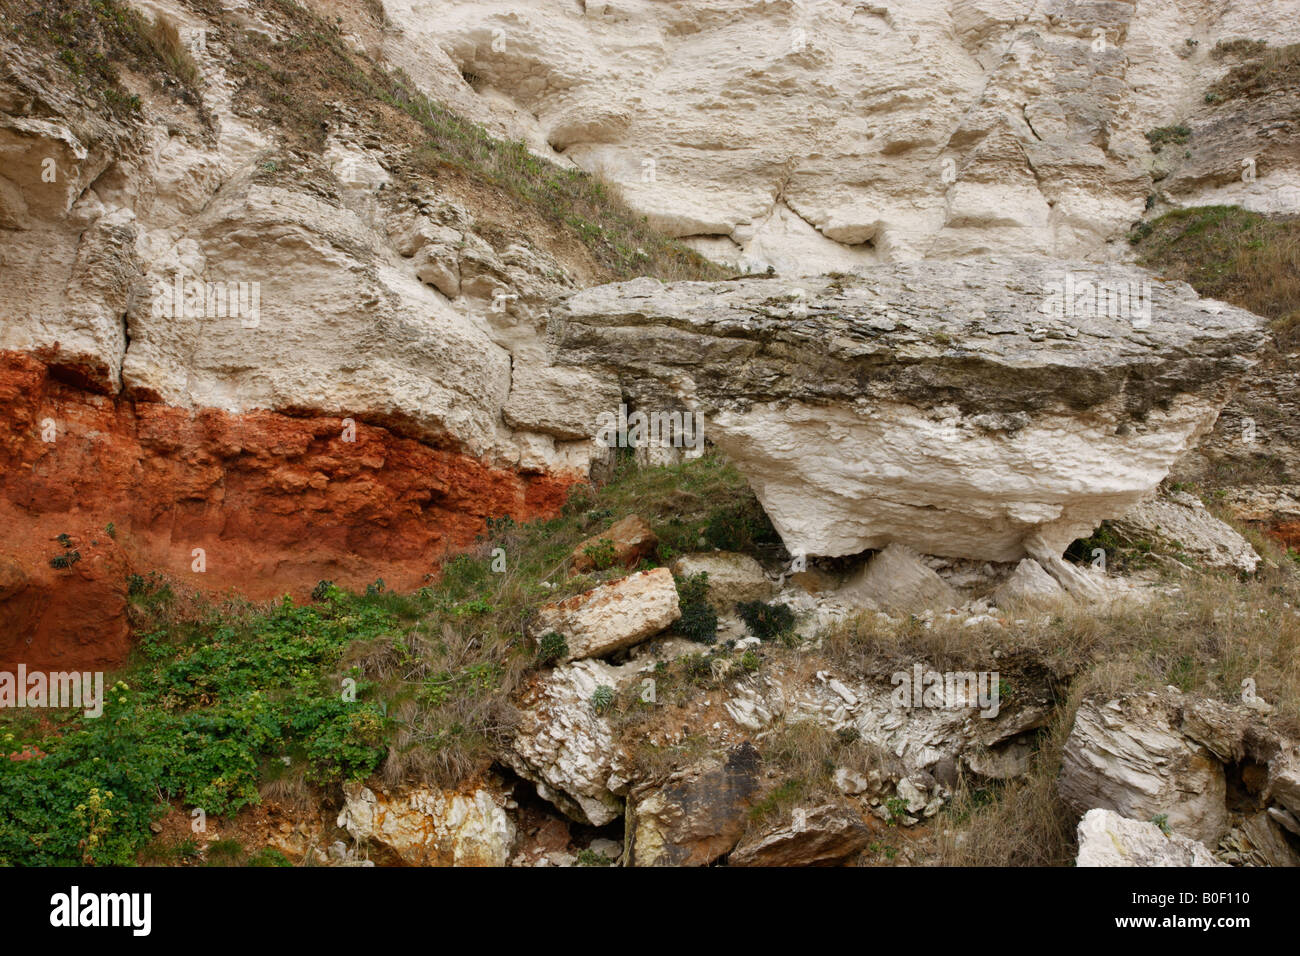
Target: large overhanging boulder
point(985, 408)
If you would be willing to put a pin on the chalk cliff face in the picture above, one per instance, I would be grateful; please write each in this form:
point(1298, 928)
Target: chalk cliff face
point(814, 135)
point(313, 363)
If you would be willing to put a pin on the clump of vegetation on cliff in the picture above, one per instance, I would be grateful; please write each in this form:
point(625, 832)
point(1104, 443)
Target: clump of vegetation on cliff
point(449, 677)
point(94, 39)
point(208, 704)
point(1168, 135)
point(1262, 70)
point(1230, 253)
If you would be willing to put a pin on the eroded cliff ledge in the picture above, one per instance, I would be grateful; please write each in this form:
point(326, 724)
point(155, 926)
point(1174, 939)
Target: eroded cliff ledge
point(964, 408)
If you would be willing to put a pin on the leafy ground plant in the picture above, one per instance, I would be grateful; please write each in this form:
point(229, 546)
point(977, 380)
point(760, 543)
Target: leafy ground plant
point(205, 703)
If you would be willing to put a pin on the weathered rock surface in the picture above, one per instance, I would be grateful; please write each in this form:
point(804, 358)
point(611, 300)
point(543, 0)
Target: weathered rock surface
point(274, 501)
point(1260, 840)
point(870, 133)
point(1180, 522)
point(956, 407)
point(630, 540)
point(923, 719)
point(1235, 150)
point(1131, 756)
point(314, 308)
point(614, 615)
point(733, 577)
point(821, 836)
point(1030, 585)
point(897, 580)
point(1108, 839)
point(1273, 508)
point(565, 747)
point(431, 827)
point(696, 815)
point(1284, 777)
point(73, 615)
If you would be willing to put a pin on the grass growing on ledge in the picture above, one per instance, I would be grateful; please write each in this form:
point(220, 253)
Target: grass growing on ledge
point(620, 240)
point(1262, 71)
point(1229, 253)
point(1167, 135)
point(93, 38)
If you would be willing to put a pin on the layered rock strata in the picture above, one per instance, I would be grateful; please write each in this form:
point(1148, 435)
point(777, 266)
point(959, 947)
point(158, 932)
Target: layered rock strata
point(988, 408)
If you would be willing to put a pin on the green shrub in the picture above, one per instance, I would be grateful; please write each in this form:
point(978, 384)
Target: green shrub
point(740, 527)
point(225, 852)
point(1166, 135)
point(699, 622)
point(698, 669)
point(206, 705)
point(897, 809)
point(551, 646)
point(766, 621)
point(465, 577)
point(601, 554)
point(269, 856)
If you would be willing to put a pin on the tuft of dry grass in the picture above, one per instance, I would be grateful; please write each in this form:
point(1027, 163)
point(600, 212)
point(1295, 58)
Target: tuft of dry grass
point(1017, 823)
point(286, 785)
point(1205, 636)
point(1239, 47)
point(1262, 71)
point(163, 37)
point(1229, 253)
point(805, 756)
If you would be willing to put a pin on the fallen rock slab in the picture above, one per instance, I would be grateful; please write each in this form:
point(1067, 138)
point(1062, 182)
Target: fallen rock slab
point(1181, 524)
point(1108, 839)
point(822, 836)
point(697, 814)
point(427, 826)
point(733, 577)
point(565, 746)
point(898, 580)
point(1030, 586)
point(613, 616)
point(1131, 756)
